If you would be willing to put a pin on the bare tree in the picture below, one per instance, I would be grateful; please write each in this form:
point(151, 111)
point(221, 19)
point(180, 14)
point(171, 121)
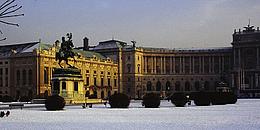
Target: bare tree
point(8, 10)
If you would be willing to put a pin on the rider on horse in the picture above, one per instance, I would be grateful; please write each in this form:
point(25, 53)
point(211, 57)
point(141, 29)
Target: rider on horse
point(66, 50)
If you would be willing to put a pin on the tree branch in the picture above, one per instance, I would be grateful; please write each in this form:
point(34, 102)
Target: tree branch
point(8, 23)
point(12, 11)
point(7, 4)
point(16, 15)
point(7, 9)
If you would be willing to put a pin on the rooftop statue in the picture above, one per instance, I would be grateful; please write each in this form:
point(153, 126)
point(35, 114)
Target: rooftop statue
point(65, 51)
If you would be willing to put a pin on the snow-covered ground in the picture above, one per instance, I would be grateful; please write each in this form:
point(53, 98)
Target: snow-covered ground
point(244, 115)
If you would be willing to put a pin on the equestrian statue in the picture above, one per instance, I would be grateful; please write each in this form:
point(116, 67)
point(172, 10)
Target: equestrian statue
point(65, 51)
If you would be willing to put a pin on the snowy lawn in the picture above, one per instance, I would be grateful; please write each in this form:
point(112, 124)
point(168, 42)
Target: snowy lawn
point(245, 114)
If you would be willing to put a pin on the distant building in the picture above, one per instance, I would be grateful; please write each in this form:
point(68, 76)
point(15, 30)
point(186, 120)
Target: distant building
point(115, 66)
point(26, 70)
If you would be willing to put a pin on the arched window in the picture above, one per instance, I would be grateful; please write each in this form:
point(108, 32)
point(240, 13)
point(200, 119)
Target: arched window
point(206, 85)
point(168, 86)
point(149, 86)
point(102, 95)
point(108, 94)
point(177, 86)
point(24, 77)
point(187, 86)
point(197, 85)
point(158, 86)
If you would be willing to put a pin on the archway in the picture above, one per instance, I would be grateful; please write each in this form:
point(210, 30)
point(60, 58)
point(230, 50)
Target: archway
point(177, 85)
point(168, 86)
point(187, 86)
point(158, 86)
point(149, 86)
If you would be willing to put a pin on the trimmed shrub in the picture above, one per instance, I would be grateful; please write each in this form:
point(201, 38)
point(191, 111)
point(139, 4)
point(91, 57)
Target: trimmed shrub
point(119, 100)
point(220, 98)
point(179, 99)
point(6, 99)
point(232, 98)
point(54, 102)
point(24, 99)
point(201, 98)
point(151, 100)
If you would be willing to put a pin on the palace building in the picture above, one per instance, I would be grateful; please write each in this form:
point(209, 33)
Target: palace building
point(116, 66)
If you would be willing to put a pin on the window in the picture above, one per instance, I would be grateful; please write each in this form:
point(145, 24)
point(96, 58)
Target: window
point(87, 71)
point(95, 72)
point(1, 71)
point(177, 86)
point(75, 86)
point(101, 72)
point(30, 76)
point(128, 68)
point(108, 82)
point(95, 81)
point(6, 71)
point(46, 80)
point(87, 81)
point(24, 77)
point(6, 81)
point(187, 86)
point(102, 82)
point(63, 85)
point(128, 58)
point(18, 77)
point(149, 86)
point(158, 86)
point(108, 73)
point(114, 82)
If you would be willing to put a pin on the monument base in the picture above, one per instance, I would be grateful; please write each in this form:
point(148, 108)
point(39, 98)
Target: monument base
point(68, 83)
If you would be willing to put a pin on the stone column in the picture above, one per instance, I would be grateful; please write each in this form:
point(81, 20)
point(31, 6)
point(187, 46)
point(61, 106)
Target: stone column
point(161, 65)
point(144, 64)
point(239, 58)
point(232, 81)
point(220, 64)
point(193, 67)
point(180, 64)
point(171, 64)
point(203, 65)
point(257, 57)
point(155, 64)
point(190, 64)
point(256, 80)
point(234, 54)
point(164, 65)
point(183, 64)
point(174, 68)
point(200, 64)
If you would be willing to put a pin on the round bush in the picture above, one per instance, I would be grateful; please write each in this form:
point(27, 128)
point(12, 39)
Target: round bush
point(219, 98)
point(54, 102)
point(6, 99)
point(232, 98)
point(24, 99)
point(179, 99)
point(151, 100)
point(201, 99)
point(119, 100)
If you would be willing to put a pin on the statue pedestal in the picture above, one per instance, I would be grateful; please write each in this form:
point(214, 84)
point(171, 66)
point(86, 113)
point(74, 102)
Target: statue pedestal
point(68, 83)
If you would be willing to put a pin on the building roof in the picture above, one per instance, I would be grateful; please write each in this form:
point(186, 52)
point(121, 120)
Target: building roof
point(7, 50)
point(110, 44)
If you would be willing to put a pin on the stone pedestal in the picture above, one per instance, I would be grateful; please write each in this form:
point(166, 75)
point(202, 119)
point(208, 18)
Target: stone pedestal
point(68, 83)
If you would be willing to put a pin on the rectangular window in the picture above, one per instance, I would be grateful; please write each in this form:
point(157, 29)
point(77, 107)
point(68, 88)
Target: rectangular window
point(87, 81)
point(108, 82)
point(6, 81)
point(115, 82)
point(75, 86)
point(6, 71)
point(95, 81)
point(1, 82)
point(46, 79)
point(63, 85)
point(1, 71)
point(102, 82)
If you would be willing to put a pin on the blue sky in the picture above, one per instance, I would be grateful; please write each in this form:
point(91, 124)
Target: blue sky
point(152, 23)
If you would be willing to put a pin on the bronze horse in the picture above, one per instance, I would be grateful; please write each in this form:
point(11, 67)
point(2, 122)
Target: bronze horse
point(65, 51)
